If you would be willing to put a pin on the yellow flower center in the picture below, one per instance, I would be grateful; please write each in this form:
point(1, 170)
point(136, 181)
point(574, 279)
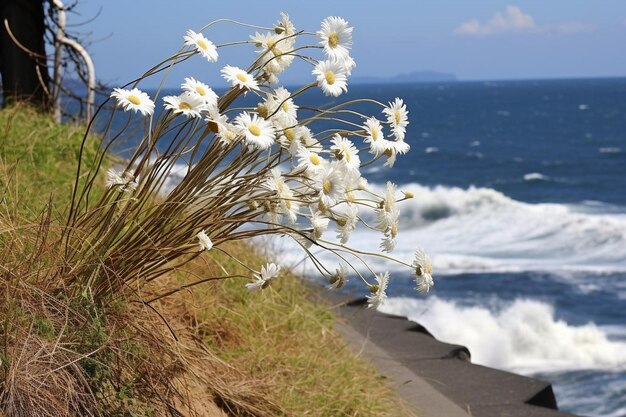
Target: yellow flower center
point(254, 129)
point(327, 186)
point(202, 44)
point(333, 40)
point(347, 153)
point(134, 99)
point(394, 229)
point(184, 106)
point(374, 134)
point(200, 90)
point(330, 77)
point(262, 110)
point(350, 197)
point(290, 134)
point(315, 160)
point(270, 44)
point(398, 116)
point(242, 77)
point(285, 106)
point(288, 204)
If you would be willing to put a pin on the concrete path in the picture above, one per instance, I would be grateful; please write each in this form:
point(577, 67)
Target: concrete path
point(438, 378)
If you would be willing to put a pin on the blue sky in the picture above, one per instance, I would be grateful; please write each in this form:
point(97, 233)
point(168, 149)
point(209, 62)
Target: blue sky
point(474, 39)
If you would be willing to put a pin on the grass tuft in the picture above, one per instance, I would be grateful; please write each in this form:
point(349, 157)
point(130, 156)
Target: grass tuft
point(215, 351)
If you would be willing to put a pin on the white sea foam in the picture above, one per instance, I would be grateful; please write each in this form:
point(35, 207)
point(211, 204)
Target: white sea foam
point(610, 149)
point(524, 336)
point(535, 176)
point(482, 230)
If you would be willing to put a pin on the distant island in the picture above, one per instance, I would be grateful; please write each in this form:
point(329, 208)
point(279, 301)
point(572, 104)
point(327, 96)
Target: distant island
point(412, 77)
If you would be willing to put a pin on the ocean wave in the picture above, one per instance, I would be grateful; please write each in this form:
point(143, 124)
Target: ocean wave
point(523, 336)
point(481, 229)
point(535, 176)
point(610, 150)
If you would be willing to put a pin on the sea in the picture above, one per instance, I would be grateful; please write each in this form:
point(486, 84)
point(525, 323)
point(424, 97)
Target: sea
point(520, 200)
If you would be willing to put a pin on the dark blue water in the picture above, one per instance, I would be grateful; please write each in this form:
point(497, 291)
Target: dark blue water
point(520, 198)
point(534, 238)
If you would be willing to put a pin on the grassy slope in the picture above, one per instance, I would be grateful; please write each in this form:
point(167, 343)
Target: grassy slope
point(278, 337)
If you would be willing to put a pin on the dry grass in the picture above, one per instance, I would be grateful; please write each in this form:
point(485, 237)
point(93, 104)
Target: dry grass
point(284, 338)
point(214, 351)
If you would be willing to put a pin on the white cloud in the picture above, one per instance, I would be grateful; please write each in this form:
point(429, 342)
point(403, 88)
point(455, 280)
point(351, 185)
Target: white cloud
point(514, 20)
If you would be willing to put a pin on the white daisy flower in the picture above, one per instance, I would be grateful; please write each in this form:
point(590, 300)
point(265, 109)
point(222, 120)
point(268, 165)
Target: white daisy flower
point(311, 161)
point(239, 78)
point(204, 46)
point(190, 105)
point(224, 131)
point(331, 77)
point(290, 138)
point(276, 181)
point(384, 212)
point(307, 140)
point(320, 223)
point(262, 280)
point(346, 223)
point(349, 63)
point(388, 243)
point(397, 117)
point(204, 241)
point(124, 179)
point(374, 132)
point(345, 151)
point(195, 87)
point(135, 100)
point(330, 183)
point(265, 41)
point(283, 106)
point(287, 204)
point(392, 149)
point(258, 132)
point(423, 271)
point(339, 278)
point(284, 26)
point(336, 37)
point(378, 291)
